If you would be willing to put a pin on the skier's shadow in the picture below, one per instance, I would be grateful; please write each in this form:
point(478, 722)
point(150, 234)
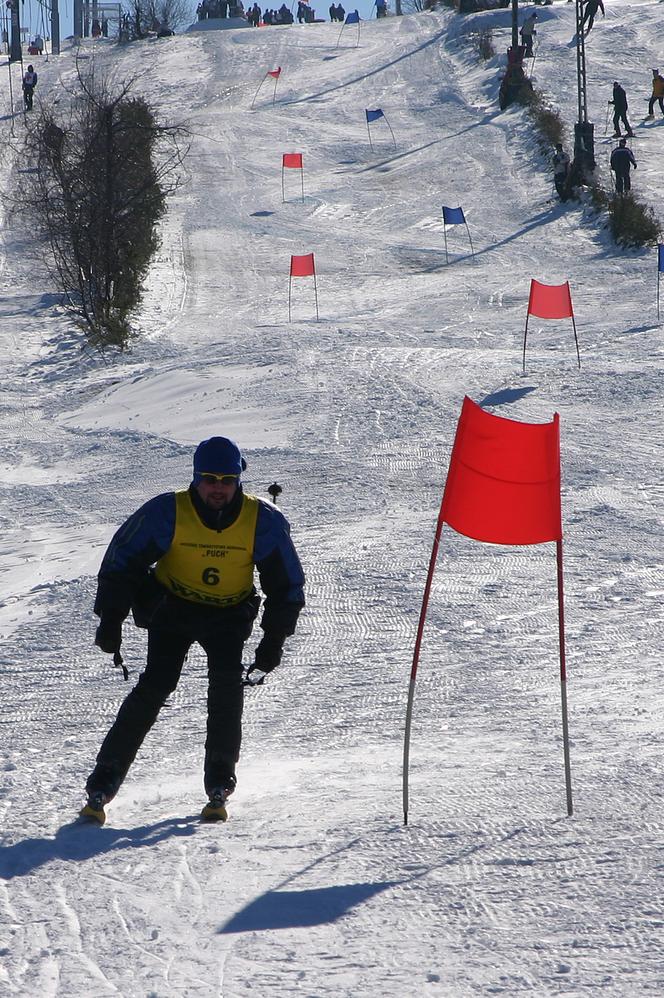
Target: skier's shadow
point(76, 842)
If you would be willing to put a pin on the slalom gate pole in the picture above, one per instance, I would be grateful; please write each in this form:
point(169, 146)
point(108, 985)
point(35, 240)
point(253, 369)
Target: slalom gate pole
point(563, 678)
point(316, 295)
point(257, 92)
point(525, 334)
point(576, 340)
point(658, 296)
point(470, 241)
point(302, 182)
point(357, 43)
point(447, 258)
point(369, 131)
point(391, 132)
point(290, 281)
point(416, 659)
point(283, 192)
point(274, 95)
point(340, 34)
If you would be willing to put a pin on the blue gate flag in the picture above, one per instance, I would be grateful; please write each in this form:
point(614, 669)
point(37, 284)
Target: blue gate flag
point(374, 115)
point(352, 18)
point(661, 258)
point(453, 216)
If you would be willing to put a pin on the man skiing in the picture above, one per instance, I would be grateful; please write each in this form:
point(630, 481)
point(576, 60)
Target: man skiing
point(527, 33)
point(561, 164)
point(592, 6)
point(657, 95)
point(622, 160)
point(184, 565)
point(620, 111)
point(29, 84)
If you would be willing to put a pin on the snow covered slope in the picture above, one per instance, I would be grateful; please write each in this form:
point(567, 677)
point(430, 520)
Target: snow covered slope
point(314, 887)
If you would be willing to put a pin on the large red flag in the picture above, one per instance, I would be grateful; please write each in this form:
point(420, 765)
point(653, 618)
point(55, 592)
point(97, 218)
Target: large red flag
point(550, 301)
point(503, 484)
point(302, 266)
point(276, 73)
point(292, 160)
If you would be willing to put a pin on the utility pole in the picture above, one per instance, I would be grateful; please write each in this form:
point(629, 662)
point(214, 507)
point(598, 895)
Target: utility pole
point(78, 18)
point(55, 28)
point(15, 53)
point(515, 24)
point(584, 138)
point(397, 8)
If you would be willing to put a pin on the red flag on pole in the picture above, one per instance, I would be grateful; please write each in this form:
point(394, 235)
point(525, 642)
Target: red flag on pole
point(503, 483)
point(550, 301)
point(292, 161)
point(276, 73)
point(302, 266)
point(503, 487)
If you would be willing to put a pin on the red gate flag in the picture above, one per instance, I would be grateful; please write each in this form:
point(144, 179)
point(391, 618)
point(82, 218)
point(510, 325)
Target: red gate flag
point(503, 484)
point(302, 266)
point(503, 487)
point(292, 160)
point(550, 301)
point(274, 72)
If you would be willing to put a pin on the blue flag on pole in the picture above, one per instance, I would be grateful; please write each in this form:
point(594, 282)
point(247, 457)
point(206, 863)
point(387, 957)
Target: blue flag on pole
point(453, 216)
point(374, 115)
point(352, 18)
point(660, 265)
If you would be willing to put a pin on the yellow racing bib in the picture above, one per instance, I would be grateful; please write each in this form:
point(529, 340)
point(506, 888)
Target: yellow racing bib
point(210, 566)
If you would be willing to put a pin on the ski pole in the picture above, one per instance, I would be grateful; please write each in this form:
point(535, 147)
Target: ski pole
point(118, 662)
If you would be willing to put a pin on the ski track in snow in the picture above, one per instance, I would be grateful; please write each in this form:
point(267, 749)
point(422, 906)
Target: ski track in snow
point(314, 887)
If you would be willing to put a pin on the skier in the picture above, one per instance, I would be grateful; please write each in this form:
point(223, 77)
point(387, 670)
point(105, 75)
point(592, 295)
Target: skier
point(620, 111)
point(561, 164)
point(203, 544)
point(527, 33)
point(29, 84)
point(622, 160)
point(657, 95)
point(592, 6)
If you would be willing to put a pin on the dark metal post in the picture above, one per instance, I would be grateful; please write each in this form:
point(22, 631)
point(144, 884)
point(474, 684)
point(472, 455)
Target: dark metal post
point(55, 28)
point(584, 138)
point(15, 54)
point(515, 23)
point(78, 18)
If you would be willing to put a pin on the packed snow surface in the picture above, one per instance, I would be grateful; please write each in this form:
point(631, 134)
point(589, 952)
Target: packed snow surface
point(314, 887)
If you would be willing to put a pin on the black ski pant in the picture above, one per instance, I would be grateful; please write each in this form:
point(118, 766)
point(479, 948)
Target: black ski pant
point(167, 649)
point(623, 183)
point(655, 100)
point(619, 116)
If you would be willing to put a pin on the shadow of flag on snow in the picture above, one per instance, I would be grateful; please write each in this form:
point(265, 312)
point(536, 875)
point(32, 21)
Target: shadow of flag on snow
point(301, 909)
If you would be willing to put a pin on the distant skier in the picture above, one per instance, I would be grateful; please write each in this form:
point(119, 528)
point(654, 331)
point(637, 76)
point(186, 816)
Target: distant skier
point(622, 161)
point(592, 6)
point(620, 111)
point(203, 543)
point(29, 84)
point(561, 166)
point(657, 95)
point(527, 34)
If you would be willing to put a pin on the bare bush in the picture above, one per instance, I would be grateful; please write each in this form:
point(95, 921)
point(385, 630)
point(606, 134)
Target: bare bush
point(104, 169)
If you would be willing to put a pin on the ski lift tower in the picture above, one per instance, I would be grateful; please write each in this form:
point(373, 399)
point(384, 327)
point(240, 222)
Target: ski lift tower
point(584, 138)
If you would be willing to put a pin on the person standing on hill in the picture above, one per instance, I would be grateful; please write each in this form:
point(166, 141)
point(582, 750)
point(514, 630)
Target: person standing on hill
point(657, 95)
point(184, 565)
point(561, 165)
point(29, 84)
point(527, 34)
point(622, 161)
point(620, 111)
point(592, 6)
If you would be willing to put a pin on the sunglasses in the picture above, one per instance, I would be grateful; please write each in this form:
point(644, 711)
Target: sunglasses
point(211, 479)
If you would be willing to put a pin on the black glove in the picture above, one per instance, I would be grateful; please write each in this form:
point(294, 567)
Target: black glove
point(109, 635)
point(268, 653)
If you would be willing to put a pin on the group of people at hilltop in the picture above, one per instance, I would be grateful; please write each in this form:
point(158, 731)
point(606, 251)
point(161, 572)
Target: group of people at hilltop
point(337, 13)
point(219, 8)
point(256, 17)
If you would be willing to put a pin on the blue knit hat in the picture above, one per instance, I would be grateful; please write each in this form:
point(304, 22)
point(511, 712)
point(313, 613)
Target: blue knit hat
point(218, 456)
